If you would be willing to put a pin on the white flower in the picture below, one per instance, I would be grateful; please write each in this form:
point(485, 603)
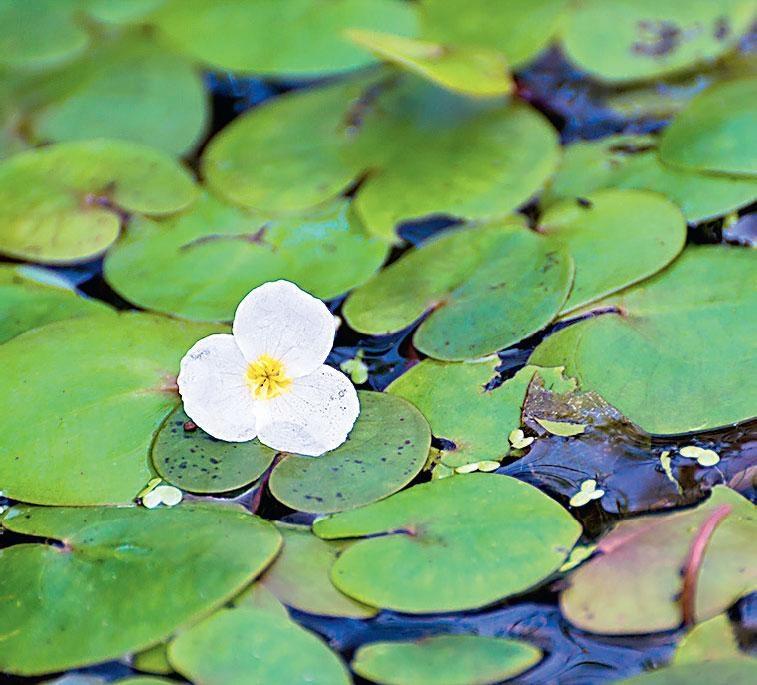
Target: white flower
point(268, 379)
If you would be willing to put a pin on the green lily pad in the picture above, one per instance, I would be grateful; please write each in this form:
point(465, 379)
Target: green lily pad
point(129, 91)
point(153, 660)
point(616, 238)
point(195, 461)
point(714, 133)
point(304, 148)
point(629, 40)
point(386, 449)
point(452, 544)
point(731, 671)
point(445, 660)
point(459, 408)
point(25, 303)
point(121, 579)
point(644, 556)
point(60, 203)
point(245, 645)
point(39, 34)
point(484, 288)
point(301, 38)
point(685, 340)
point(632, 162)
point(105, 383)
point(521, 29)
point(165, 265)
point(708, 641)
point(120, 12)
point(470, 71)
point(300, 575)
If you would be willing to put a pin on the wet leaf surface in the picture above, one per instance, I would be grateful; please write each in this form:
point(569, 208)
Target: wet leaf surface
point(120, 579)
point(386, 449)
point(445, 660)
point(457, 543)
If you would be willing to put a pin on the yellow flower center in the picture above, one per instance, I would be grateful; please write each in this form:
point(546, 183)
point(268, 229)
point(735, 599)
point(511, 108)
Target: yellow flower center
point(266, 378)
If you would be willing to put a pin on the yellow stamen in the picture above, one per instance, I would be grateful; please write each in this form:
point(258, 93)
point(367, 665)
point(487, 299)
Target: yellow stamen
point(266, 378)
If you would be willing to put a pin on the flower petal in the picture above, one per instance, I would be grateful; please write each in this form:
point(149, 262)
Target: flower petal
point(315, 416)
point(284, 322)
point(213, 387)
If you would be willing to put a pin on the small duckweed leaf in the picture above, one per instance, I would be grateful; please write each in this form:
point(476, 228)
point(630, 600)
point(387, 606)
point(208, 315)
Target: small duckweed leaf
point(300, 576)
point(386, 449)
point(501, 535)
point(125, 578)
point(445, 660)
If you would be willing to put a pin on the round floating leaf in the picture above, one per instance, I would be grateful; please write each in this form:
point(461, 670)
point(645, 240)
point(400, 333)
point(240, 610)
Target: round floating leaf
point(632, 162)
point(303, 38)
point(715, 132)
point(452, 544)
point(60, 203)
point(628, 40)
point(26, 303)
point(645, 556)
point(484, 288)
point(386, 449)
point(244, 645)
point(457, 404)
point(195, 461)
point(88, 396)
point(127, 91)
point(519, 28)
point(707, 641)
point(470, 71)
point(120, 12)
point(616, 237)
point(676, 356)
point(300, 576)
point(40, 33)
point(478, 158)
point(445, 660)
point(733, 671)
point(165, 265)
point(121, 579)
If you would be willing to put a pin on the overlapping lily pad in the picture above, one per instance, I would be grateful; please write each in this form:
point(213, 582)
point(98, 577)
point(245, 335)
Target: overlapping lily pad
point(632, 162)
point(299, 38)
point(451, 544)
point(483, 288)
point(120, 579)
point(119, 12)
point(61, 203)
point(478, 158)
point(385, 450)
point(518, 28)
point(26, 303)
point(40, 33)
point(167, 266)
point(195, 461)
point(88, 395)
point(645, 557)
point(734, 671)
point(685, 340)
point(445, 660)
point(245, 645)
point(629, 40)
point(300, 575)
point(616, 237)
point(126, 90)
point(714, 133)
point(708, 641)
point(460, 409)
point(477, 72)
